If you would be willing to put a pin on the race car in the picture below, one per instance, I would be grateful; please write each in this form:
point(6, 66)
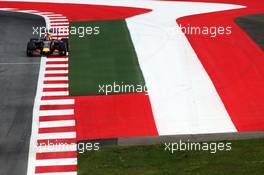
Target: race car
point(46, 47)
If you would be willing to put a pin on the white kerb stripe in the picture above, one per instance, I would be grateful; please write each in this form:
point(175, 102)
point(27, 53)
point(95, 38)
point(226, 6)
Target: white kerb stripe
point(56, 162)
point(57, 102)
point(56, 71)
point(61, 23)
point(55, 15)
point(62, 27)
point(55, 85)
point(56, 112)
point(57, 135)
point(60, 123)
point(56, 65)
point(56, 59)
point(45, 13)
point(58, 17)
point(56, 148)
point(63, 20)
point(56, 78)
point(8, 9)
point(57, 173)
point(63, 37)
point(56, 93)
point(61, 34)
point(28, 11)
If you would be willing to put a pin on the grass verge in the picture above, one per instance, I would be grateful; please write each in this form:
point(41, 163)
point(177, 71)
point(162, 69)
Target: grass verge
point(102, 59)
point(246, 157)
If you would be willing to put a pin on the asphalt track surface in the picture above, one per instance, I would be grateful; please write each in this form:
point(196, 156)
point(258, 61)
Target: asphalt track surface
point(18, 83)
point(254, 26)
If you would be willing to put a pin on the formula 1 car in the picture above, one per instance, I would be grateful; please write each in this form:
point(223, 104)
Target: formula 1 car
point(43, 47)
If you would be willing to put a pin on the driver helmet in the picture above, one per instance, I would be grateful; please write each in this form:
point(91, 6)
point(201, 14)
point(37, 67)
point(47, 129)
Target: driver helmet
point(48, 37)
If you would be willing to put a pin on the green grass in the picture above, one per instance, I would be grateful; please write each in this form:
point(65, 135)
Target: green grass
point(245, 158)
point(102, 59)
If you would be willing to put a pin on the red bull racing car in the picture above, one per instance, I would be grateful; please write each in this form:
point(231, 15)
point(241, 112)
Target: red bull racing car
point(47, 46)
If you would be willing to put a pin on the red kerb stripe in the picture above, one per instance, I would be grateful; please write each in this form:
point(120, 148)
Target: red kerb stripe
point(56, 155)
point(57, 129)
point(54, 89)
point(54, 118)
point(56, 82)
point(62, 168)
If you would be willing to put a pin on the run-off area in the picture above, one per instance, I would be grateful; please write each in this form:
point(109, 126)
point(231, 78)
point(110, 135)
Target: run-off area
point(101, 60)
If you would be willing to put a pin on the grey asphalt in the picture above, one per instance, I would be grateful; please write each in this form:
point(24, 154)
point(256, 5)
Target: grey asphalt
point(254, 26)
point(18, 83)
